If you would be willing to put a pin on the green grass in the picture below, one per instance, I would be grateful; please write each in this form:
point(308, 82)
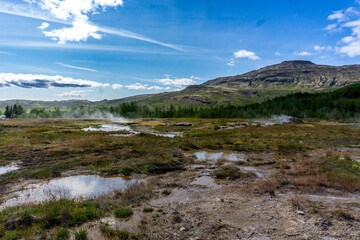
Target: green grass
point(81, 234)
point(63, 234)
point(123, 212)
point(232, 173)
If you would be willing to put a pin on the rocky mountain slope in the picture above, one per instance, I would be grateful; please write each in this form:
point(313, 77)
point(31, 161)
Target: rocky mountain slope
point(262, 84)
point(254, 86)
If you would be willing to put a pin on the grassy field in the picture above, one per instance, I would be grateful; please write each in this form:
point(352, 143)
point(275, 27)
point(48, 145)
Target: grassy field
point(48, 148)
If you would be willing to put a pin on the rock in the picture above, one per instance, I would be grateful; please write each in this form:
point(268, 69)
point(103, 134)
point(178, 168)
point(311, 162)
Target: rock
point(182, 124)
point(324, 225)
point(295, 121)
point(183, 229)
point(300, 212)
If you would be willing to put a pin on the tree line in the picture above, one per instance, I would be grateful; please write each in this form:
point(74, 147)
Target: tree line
point(13, 111)
point(343, 103)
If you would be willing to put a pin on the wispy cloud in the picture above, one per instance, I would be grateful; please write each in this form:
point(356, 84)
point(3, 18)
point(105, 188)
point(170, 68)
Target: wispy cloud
point(302, 54)
point(75, 93)
point(75, 67)
point(231, 63)
point(322, 48)
point(124, 33)
point(44, 81)
point(7, 53)
point(139, 86)
point(77, 46)
point(75, 15)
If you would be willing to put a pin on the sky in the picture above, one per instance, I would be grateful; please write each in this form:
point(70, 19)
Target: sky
point(110, 49)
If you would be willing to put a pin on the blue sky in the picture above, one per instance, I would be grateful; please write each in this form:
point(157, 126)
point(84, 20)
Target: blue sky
point(107, 49)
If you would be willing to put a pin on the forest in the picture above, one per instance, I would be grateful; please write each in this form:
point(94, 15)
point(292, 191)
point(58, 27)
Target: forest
point(343, 103)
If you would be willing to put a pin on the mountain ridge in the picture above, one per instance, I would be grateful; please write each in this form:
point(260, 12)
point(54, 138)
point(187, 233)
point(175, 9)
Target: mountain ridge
point(254, 86)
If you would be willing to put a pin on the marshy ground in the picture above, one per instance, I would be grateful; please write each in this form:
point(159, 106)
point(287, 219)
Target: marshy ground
point(178, 179)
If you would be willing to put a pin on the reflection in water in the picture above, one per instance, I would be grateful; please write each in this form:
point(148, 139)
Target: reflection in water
point(84, 186)
point(108, 128)
point(8, 168)
point(214, 156)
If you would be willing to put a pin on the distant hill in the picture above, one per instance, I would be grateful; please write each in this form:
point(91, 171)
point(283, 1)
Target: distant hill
point(255, 86)
point(259, 85)
point(44, 104)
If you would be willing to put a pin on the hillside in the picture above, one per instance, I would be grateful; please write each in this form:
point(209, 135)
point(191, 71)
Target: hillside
point(343, 103)
point(44, 104)
point(259, 85)
point(255, 86)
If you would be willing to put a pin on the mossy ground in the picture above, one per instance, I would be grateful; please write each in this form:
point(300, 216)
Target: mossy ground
point(47, 148)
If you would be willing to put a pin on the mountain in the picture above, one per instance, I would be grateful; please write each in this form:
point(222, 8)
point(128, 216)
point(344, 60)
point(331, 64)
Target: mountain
point(255, 86)
point(259, 85)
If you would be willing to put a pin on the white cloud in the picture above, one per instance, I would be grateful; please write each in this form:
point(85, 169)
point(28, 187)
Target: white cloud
point(322, 48)
point(343, 15)
point(231, 63)
point(158, 88)
point(81, 30)
point(277, 54)
point(347, 19)
point(117, 86)
point(246, 54)
point(332, 27)
point(137, 86)
point(79, 93)
point(178, 82)
point(44, 26)
point(43, 81)
point(37, 10)
point(348, 39)
point(351, 50)
point(303, 54)
point(338, 15)
point(75, 67)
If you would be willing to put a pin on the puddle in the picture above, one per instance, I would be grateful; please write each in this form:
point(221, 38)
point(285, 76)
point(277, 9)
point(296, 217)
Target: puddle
point(9, 168)
point(177, 195)
point(214, 156)
point(169, 135)
point(317, 197)
point(119, 127)
point(206, 181)
point(83, 186)
point(108, 128)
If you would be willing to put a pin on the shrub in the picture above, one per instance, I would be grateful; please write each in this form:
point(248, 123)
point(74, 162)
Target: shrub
point(136, 191)
point(166, 192)
point(81, 235)
point(123, 213)
point(148, 209)
point(63, 234)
